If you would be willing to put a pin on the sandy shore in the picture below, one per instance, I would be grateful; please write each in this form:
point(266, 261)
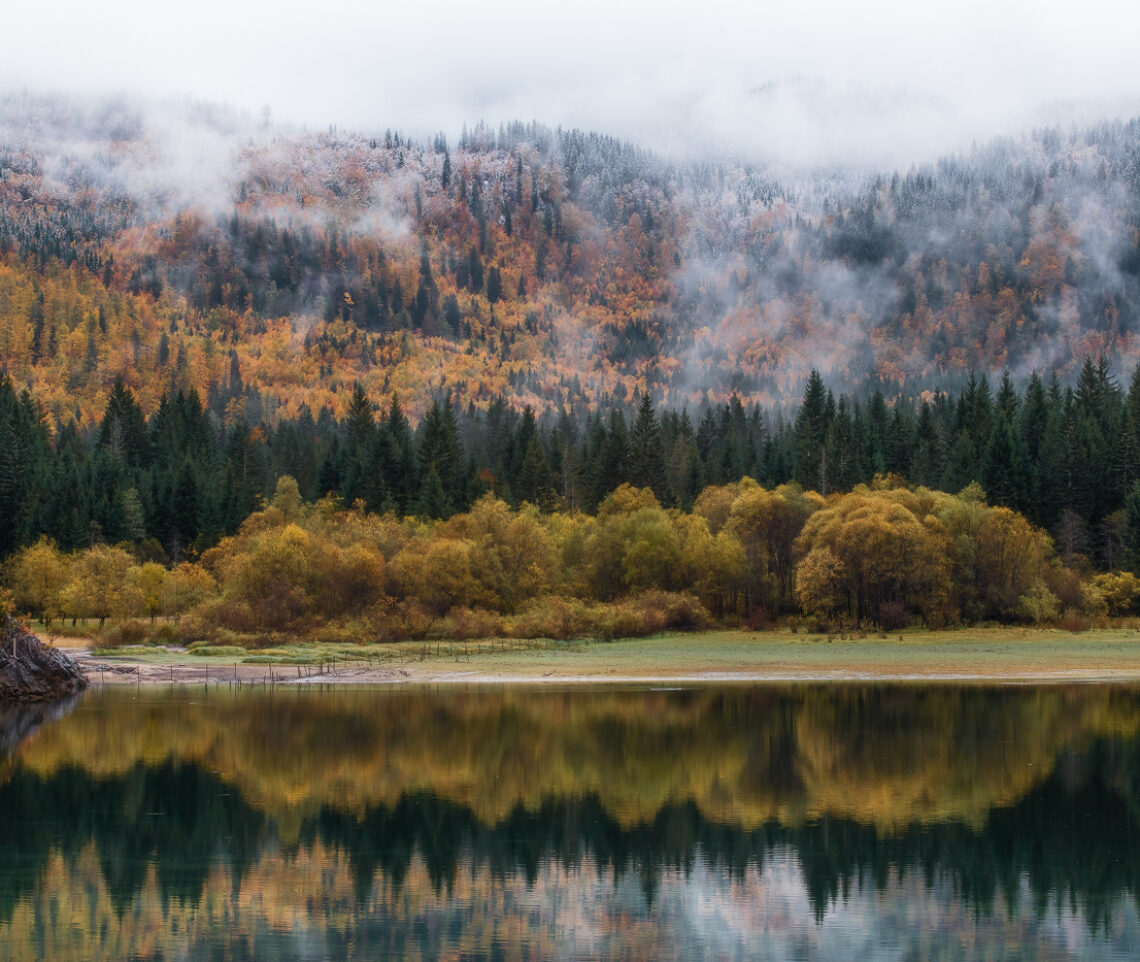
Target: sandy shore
point(989, 656)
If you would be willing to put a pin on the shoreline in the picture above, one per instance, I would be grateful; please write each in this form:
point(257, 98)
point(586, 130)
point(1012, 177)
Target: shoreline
point(984, 657)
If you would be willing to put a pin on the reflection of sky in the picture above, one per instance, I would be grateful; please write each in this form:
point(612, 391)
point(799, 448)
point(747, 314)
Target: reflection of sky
point(302, 906)
point(768, 916)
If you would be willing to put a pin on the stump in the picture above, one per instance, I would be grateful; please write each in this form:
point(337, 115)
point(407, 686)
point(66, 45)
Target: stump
point(31, 671)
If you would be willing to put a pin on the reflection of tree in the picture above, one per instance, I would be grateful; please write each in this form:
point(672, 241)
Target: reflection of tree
point(887, 755)
point(823, 762)
point(176, 818)
point(1075, 842)
point(1078, 844)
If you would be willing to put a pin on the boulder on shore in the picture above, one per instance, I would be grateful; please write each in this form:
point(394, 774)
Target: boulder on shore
point(31, 671)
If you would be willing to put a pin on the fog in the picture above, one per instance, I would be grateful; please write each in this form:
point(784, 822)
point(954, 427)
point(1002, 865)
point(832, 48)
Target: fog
point(884, 83)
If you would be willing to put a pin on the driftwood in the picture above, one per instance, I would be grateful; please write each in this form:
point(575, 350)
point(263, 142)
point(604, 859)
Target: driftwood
point(31, 671)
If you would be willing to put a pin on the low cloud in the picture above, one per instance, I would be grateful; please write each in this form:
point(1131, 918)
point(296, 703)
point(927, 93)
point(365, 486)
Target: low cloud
point(872, 84)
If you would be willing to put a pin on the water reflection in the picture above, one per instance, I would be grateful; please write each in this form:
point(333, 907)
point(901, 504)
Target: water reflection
point(817, 821)
point(19, 721)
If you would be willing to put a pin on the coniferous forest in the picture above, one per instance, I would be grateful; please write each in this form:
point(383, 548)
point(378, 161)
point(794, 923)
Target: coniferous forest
point(549, 358)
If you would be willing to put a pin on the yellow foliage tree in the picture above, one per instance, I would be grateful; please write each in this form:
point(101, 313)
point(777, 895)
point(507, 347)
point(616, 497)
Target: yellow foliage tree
point(767, 524)
point(892, 551)
point(820, 583)
point(36, 576)
point(437, 573)
point(184, 587)
point(98, 585)
point(1011, 557)
point(149, 581)
point(512, 559)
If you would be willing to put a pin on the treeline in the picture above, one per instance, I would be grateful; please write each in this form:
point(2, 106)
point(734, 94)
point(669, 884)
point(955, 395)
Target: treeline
point(1065, 457)
point(888, 554)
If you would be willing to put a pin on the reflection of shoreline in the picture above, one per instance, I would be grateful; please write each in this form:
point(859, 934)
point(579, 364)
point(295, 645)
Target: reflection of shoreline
point(889, 756)
point(370, 815)
point(20, 720)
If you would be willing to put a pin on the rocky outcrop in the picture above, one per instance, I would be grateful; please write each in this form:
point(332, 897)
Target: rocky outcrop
point(31, 671)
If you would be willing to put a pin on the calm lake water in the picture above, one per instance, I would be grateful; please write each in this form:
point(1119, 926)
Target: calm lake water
point(771, 822)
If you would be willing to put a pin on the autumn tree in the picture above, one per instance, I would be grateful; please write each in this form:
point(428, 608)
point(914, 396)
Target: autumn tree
point(885, 548)
point(512, 558)
point(36, 576)
point(98, 585)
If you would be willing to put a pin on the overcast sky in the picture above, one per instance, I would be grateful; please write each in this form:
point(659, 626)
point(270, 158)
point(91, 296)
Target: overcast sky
point(882, 81)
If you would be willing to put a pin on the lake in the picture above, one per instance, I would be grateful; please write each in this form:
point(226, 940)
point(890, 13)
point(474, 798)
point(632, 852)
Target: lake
point(732, 822)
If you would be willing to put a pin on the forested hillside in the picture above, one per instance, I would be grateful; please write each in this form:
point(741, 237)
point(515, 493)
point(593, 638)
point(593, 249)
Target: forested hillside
point(195, 309)
point(272, 270)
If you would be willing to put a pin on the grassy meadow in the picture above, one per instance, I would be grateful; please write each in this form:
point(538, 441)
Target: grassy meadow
point(997, 653)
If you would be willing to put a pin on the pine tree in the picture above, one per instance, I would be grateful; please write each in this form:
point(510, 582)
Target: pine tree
point(439, 450)
point(1132, 529)
point(494, 285)
point(535, 483)
point(396, 457)
point(812, 422)
point(646, 464)
point(1004, 469)
point(609, 467)
point(433, 501)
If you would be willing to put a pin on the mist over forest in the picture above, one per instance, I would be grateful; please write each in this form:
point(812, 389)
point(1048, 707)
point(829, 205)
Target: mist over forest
point(177, 247)
point(197, 305)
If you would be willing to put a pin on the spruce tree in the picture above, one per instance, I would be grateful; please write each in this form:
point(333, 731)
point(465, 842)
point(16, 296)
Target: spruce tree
point(646, 464)
point(439, 450)
point(812, 422)
point(535, 483)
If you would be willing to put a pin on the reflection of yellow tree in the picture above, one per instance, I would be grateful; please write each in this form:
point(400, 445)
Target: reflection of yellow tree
point(887, 757)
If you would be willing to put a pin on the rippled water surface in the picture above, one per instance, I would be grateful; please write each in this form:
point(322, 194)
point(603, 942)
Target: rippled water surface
point(808, 822)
